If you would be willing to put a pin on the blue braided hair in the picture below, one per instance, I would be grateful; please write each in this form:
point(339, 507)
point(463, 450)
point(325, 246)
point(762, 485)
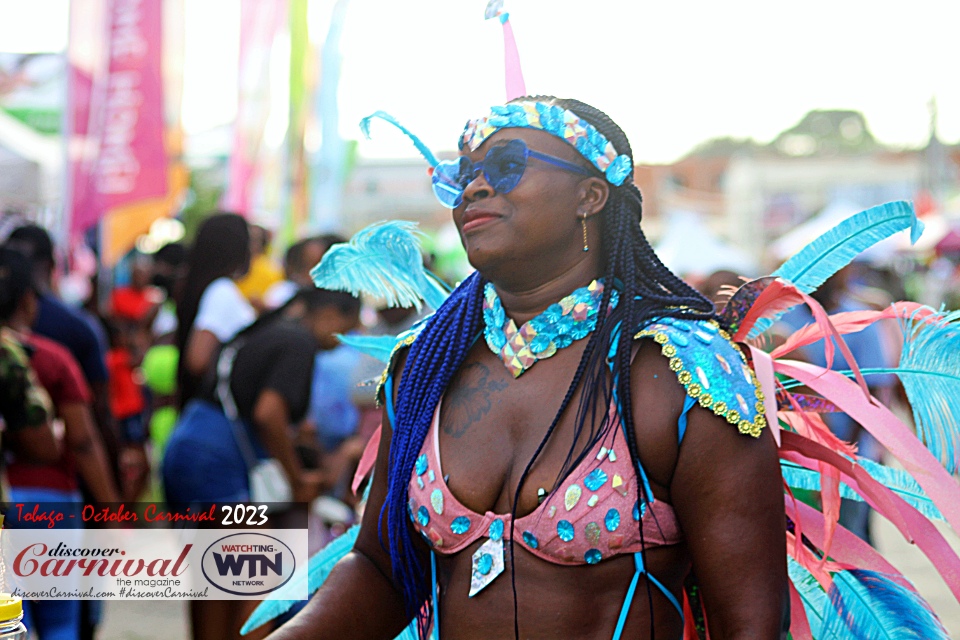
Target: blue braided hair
point(647, 290)
point(434, 357)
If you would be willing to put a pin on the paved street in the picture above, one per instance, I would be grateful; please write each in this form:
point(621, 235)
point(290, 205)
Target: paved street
point(168, 620)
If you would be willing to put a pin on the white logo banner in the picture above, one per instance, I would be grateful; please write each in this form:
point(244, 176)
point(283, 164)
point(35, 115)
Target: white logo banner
point(153, 564)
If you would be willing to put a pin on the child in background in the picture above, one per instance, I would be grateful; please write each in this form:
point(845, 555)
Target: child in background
point(128, 403)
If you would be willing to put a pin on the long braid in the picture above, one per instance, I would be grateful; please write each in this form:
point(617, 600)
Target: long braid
point(433, 359)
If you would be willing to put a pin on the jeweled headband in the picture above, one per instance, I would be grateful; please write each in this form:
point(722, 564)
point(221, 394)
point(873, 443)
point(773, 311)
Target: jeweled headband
point(556, 120)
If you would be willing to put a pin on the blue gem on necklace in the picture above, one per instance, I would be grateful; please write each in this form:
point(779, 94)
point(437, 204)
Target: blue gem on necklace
point(559, 326)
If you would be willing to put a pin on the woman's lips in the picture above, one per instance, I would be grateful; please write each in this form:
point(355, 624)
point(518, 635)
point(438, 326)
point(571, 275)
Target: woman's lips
point(473, 219)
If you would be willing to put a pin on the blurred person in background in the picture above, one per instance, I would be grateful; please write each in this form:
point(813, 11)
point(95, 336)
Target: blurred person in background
point(719, 286)
point(159, 364)
point(62, 324)
point(127, 401)
point(25, 406)
point(269, 383)
point(84, 458)
point(169, 269)
point(137, 301)
point(300, 257)
point(211, 309)
point(263, 272)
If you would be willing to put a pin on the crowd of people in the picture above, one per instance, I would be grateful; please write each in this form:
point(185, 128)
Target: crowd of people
point(201, 362)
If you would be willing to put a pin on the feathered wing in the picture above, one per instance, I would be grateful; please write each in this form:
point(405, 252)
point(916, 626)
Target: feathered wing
point(871, 606)
point(318, 569)
point(897, 480)
point(417, 142)
point(930, 372)
point(837, 247)
point(382, 260)
point(814, 598)
point(379, 347)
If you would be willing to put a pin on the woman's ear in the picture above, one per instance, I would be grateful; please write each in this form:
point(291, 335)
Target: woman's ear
point(593, 194)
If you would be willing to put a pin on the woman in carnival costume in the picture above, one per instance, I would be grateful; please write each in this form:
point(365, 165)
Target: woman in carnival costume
point(598, 430)
point(609, 444)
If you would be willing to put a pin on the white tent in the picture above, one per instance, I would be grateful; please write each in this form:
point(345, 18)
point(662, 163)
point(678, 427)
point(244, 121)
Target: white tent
point(690, 248)
point(30, 166)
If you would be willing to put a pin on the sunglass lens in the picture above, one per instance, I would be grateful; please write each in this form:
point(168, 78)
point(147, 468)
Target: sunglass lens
point(503, 166)
point(447, 183)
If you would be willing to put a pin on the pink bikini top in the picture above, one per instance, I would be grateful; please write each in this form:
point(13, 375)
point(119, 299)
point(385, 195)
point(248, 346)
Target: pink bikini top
point(591, 517)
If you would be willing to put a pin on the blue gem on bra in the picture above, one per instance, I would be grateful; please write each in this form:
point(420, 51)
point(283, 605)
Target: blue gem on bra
point(530, 540)
point(595, 479)
point(423, 516)
point(460, 525)
point(612, 520)
point(421, 466)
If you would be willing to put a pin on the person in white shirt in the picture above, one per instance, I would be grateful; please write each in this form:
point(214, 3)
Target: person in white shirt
point(211, 310)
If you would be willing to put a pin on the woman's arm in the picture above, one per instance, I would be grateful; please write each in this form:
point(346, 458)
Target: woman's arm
point(272, 420)
point(201, 345)
point(358, 600)
point(727, 492)
point(83, 441)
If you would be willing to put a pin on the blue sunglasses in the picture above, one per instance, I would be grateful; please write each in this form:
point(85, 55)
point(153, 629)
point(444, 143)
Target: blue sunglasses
point(502, 168)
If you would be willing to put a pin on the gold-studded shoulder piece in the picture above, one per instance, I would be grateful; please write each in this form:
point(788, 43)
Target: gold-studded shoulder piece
point(404, 340)
point(712, 369)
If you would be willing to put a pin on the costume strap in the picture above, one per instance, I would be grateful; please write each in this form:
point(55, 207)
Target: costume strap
point(640, 569)
point(433, 596)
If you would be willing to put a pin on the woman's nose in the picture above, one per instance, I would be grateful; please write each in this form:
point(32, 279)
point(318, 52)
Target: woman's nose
point(478, 188)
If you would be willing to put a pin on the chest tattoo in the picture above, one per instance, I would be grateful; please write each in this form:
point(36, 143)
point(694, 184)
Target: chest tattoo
point(472, 400)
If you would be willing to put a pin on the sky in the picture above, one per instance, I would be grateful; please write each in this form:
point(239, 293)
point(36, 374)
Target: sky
point(672, 74)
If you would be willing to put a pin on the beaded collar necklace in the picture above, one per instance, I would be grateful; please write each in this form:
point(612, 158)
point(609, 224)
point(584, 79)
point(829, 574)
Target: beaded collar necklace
point(562, 323)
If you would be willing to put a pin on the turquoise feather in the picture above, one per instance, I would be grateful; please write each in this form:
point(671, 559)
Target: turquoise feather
point(814, 598)
point(870, 606)
point(417, 142)
point(382, 260)
point(834, 250)
point(318, 569)
point(379, 347)
point(897, 480)
point(930, 371)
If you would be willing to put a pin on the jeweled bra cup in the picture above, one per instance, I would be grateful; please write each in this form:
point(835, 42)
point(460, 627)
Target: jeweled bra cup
point(593, 515)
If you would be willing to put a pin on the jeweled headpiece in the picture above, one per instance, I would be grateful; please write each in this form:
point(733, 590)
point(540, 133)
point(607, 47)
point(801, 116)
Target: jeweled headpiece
point(556, 120)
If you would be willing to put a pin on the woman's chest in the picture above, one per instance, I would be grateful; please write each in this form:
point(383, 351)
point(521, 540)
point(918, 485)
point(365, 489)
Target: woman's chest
point(491, 426)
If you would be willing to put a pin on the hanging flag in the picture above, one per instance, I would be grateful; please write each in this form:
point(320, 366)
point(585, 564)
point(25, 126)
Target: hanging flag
point(85, 55)
point(122, 158)
point(260, 21)
point(296, 167)
point(329, 166)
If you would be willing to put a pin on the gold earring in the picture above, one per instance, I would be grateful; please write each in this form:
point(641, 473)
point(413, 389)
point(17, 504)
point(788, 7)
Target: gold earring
point(583, 222)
